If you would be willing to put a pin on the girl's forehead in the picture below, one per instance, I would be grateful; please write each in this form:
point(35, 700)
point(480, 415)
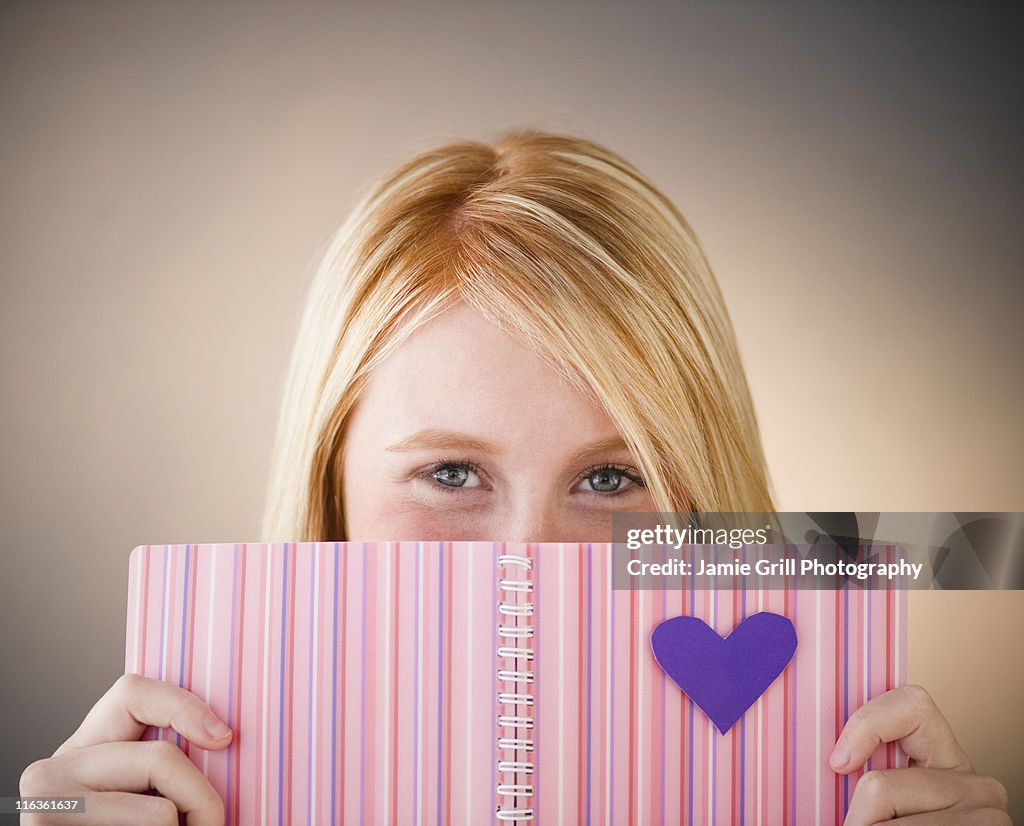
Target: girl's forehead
point(462, 349)
point(462, 373)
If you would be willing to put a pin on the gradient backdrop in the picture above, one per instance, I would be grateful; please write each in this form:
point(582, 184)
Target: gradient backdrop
point(169, 171)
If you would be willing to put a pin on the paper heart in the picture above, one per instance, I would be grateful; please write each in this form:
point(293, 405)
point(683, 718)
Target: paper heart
point(724, 677)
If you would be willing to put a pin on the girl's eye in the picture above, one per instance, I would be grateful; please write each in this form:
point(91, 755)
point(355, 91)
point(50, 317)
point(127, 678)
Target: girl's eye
point(456, 475)
point(608, 479)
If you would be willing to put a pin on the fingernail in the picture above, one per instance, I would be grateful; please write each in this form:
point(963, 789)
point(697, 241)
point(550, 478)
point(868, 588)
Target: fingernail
point(840, 755)
point(214, 727)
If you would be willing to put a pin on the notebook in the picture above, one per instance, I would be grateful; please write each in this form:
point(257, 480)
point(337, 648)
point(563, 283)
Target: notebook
point(478, 682)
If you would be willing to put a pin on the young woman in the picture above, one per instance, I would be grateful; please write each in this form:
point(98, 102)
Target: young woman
point(506, 342)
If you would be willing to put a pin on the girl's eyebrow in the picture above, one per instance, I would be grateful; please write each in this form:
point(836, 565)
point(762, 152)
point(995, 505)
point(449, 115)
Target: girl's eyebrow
point(612, 445)
point(433, 439)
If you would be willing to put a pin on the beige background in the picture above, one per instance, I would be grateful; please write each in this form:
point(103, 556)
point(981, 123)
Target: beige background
point(168, 172)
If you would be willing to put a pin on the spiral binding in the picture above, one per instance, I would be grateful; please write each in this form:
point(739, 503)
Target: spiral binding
point(515, 718)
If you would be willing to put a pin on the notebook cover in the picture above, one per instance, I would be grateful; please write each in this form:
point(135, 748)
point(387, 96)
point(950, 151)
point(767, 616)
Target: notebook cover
point(361, 681)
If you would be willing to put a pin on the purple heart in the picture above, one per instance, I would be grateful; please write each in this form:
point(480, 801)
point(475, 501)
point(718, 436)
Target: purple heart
point(724, 677)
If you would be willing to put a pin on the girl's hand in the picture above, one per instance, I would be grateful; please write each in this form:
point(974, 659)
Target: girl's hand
point(940, 787)
point(101, 762)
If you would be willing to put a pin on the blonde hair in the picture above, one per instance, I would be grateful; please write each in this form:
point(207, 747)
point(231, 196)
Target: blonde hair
point(563, 242)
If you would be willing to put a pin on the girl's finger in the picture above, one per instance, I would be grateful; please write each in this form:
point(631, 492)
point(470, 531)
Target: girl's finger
point(893, 793)
point(906, 714)
point(150, 764)
point(972, 817)
point(134, 702)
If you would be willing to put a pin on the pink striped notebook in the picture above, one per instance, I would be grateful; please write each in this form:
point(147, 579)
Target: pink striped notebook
point(439, 683)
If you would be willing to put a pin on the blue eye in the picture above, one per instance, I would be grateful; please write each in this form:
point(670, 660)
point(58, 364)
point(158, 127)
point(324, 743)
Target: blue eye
point(605, 481)
point(609, 480)
point(455, 475)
